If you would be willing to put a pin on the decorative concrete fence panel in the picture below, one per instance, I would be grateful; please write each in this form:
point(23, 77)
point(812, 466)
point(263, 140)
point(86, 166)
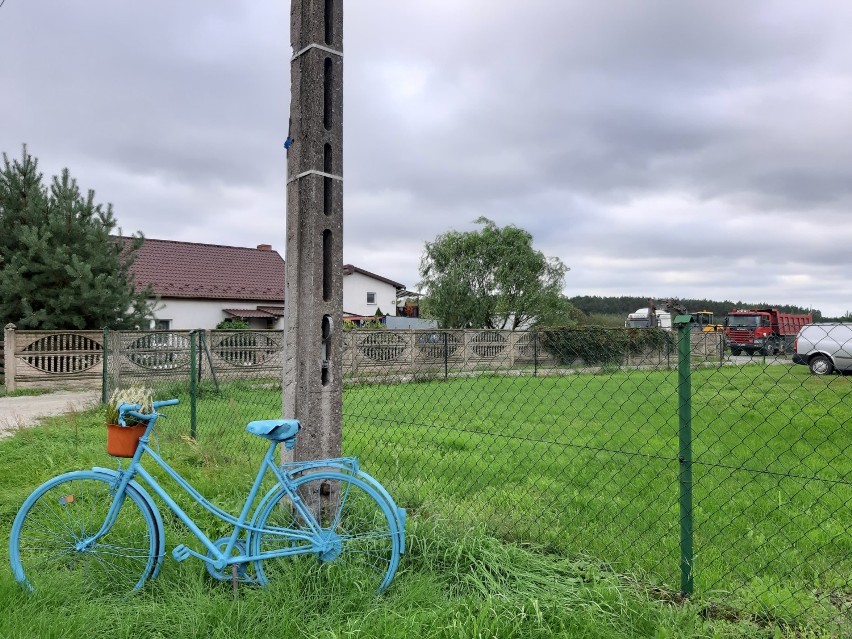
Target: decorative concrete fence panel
point(710, 345)
point(142, 357)
point(238, 352)
point(153, 357)
point(377, 352)
point(427, 352)
point(49, 359)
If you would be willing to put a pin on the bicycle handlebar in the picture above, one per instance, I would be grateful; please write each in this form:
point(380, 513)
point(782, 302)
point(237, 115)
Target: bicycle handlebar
point(124, 409)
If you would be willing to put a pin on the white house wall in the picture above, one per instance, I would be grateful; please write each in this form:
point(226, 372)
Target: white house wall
point(355, 289)
point(189, 314)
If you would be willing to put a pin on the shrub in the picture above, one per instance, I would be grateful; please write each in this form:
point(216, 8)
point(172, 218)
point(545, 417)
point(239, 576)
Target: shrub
point(233, 324)
point(598, 346)
point(366, 325)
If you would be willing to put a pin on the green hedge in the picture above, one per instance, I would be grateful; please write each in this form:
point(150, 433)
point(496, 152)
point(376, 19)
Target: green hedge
point(596, 345)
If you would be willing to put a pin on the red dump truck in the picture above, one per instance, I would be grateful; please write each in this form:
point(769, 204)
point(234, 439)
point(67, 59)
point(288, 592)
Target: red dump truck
point(763, 330)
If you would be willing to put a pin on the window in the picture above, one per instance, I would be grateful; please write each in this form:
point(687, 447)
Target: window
point(162, 325)
point(371, 298)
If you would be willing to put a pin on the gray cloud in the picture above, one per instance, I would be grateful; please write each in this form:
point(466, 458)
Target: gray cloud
point(663, 148)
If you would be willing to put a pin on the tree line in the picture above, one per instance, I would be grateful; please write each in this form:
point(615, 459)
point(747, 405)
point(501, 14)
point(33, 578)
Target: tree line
point(622, 305)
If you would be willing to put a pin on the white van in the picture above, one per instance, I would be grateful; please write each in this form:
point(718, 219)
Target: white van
point(824, 348)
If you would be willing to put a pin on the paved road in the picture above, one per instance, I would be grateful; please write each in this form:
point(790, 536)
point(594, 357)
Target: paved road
point(759, 359)
point(20, 412)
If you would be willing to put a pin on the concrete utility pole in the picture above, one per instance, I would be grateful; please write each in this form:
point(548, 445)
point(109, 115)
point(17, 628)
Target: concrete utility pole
point(313, 384)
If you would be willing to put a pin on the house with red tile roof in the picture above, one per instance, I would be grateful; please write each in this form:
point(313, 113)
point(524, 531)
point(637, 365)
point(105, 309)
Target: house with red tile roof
point(200, 285)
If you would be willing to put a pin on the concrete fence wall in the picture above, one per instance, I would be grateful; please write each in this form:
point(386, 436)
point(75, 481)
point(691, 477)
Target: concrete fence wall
point(33, 359)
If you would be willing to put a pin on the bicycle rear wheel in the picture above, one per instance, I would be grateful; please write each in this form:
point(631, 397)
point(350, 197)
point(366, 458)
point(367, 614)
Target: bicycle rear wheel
point(360, 540)
point(47, 544)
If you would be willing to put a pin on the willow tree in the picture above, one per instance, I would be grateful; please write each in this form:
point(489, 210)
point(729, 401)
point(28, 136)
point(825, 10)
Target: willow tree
point(492, 278)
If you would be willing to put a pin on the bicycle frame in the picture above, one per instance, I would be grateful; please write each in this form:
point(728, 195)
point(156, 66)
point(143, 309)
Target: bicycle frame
point(221, 558)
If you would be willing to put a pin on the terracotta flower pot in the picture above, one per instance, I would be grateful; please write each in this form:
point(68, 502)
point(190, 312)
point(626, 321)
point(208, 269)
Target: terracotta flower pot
point(123, 440)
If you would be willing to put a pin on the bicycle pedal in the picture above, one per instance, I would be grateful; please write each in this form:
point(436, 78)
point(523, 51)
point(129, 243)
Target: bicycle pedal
point(181, 553)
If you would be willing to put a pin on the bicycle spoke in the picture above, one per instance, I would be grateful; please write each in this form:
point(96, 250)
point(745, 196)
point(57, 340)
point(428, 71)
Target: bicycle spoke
point(70, 510)
point(343, 499)
point(70, 552)
point(58, 519)
point(356, 536)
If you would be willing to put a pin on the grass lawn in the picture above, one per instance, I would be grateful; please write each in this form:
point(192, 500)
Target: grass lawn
point(575, 475)
point(589, 464)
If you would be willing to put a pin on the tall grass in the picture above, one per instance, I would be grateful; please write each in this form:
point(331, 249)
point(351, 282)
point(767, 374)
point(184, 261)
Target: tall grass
point(589, 464)
point(452, 582)
point(450, 586)
point(512, 532)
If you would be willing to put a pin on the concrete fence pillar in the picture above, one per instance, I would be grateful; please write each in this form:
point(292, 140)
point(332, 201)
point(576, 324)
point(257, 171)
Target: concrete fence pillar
point(466, 336)
point(9, 356)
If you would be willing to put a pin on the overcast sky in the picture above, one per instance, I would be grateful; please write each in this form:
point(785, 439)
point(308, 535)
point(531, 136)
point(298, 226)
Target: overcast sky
point(658, 148)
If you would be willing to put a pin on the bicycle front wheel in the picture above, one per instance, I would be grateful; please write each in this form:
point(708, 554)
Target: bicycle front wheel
point(359, 542)
point(51, 539)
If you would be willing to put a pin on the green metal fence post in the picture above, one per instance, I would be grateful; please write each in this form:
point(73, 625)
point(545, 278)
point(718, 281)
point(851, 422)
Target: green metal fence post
point(104, 379)
point(684, 384)
point(193, 390)
point(202, 346)
point(446, 357)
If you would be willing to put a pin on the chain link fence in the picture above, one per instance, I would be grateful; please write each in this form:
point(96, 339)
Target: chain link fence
point(657, 453)
point(223, 378)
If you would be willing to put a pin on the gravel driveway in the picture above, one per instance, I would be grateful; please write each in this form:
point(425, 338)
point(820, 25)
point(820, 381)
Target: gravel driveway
point(20, 412)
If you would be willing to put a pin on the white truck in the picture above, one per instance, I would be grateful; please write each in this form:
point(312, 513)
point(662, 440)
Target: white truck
point(656, 316)
point(649, 318)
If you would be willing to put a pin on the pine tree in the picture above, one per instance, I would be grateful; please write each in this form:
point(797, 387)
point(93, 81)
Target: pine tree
point(60, 266)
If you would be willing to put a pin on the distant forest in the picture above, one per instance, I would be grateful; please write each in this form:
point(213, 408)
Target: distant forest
point(596, 305)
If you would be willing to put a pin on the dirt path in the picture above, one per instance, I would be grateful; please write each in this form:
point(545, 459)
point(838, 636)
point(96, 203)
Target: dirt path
point(20, 412)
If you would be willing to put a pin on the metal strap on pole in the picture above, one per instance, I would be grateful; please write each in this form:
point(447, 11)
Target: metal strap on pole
point(315, 172)
point(316, 46)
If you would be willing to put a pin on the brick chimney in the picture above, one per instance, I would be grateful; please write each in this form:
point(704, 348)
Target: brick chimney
point(264, 247)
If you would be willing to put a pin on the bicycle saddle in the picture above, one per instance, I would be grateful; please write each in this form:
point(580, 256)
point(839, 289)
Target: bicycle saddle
point(276, 430)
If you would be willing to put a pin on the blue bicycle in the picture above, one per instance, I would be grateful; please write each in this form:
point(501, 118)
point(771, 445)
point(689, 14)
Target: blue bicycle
point(102, 526)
